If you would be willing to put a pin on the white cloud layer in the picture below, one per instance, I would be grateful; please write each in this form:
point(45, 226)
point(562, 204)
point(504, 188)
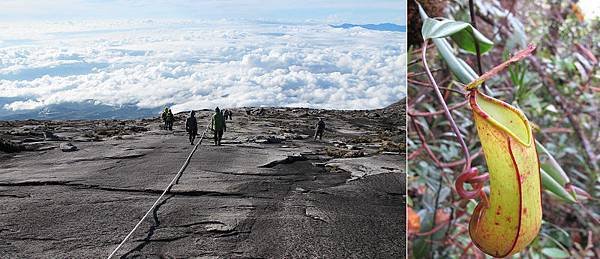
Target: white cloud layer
point(195, 65)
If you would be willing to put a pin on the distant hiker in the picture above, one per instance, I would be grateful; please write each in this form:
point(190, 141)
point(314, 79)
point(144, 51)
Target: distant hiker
point(228, 114)
point(191, 126)
point(170, 119)
point(218, 126)
point(164, 118)
point(320, 129)
point(225, 114)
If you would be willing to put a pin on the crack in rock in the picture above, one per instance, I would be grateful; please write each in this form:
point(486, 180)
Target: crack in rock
point(287, 160)
point(242, 173)
point(203, 222)
point(234, 233)
point(125, 155)
point(15, 195)
point(126, 190)
point(32, 238)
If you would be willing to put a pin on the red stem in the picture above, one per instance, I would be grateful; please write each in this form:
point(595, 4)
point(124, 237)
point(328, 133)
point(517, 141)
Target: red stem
point(455, 129)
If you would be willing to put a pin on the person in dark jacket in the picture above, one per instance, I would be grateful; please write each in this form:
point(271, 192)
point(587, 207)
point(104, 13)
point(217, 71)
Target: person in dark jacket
point(218, 126)
point(191, 126)
point(164, 117)
point(170, 119)
point(320, 128)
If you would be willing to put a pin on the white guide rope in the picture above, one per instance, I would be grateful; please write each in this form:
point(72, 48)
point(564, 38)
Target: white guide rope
point(175, 179)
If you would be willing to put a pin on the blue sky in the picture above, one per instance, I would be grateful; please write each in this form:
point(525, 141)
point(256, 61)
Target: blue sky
point(351, 11)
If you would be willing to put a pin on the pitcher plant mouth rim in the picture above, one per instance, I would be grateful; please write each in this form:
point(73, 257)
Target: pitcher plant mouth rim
point(474, 94)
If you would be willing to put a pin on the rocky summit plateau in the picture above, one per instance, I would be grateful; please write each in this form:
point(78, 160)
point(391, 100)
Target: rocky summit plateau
point(75, 188)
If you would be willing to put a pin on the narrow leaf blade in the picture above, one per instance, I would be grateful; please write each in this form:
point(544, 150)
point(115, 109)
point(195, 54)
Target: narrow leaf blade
point(555, 188)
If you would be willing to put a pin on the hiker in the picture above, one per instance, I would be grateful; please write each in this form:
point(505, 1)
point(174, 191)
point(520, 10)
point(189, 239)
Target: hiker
point(164, 118)
point(191, 126)
point(218, 126)
point(320, 129)
point(225, 114)
point(170, 119)
point(229, 113)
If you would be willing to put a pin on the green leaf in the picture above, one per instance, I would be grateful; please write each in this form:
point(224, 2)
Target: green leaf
point(471, 206)
point(552, 167)
point(459, 67)
point(468, 68)
point(532, 255)
point(559, 236)
point(555, 253)
point(461, 32)
point(555, 188)
point(556, 176)
point(421, 248)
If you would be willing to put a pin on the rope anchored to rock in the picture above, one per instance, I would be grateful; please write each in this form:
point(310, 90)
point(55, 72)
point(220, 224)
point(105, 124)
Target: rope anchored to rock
point(174, 181)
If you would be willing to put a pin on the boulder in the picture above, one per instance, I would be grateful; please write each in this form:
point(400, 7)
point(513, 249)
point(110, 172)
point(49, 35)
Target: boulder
point(295, 136)
point(275, 139)
point(67, 147)
point(354, 153)
point(353, 147)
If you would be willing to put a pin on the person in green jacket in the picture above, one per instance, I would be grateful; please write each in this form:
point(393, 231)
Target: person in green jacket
point(218, 126)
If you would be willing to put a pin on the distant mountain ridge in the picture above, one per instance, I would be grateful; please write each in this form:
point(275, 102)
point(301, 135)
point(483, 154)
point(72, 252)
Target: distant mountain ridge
point(375, 27)
point(90, 110)
point(87, 110)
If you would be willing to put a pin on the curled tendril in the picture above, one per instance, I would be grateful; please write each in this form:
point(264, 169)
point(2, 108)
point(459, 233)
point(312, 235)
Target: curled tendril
point(476, 180)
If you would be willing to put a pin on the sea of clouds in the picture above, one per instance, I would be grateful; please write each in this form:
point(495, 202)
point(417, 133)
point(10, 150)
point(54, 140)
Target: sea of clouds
point(197, 64)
